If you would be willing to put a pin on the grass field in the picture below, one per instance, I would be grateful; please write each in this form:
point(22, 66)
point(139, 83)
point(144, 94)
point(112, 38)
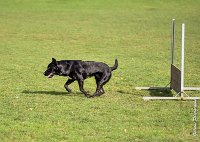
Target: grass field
point(136, 32)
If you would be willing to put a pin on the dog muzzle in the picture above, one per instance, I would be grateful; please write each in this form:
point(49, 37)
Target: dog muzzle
point(50, 75)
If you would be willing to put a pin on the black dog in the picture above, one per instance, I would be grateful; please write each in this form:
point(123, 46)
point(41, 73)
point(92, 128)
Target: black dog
point(80, 70)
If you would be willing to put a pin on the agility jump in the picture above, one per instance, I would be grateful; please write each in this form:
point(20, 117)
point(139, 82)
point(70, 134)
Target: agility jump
point(176, 75)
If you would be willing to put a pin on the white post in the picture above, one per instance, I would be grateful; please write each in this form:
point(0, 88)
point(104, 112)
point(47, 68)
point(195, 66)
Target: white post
point(172, 50)
point(182, 58)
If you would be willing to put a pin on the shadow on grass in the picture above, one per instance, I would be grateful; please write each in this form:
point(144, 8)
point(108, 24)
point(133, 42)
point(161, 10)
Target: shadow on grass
point(50, 93)
point(161, 93)
point(153, 92)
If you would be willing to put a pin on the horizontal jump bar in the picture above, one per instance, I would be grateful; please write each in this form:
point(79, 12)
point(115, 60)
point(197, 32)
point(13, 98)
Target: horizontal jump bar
point(171, 98)
point(167, 88)
point(191, 88)
point(152, 88)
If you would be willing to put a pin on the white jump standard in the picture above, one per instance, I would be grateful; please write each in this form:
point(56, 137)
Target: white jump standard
point(176, 76)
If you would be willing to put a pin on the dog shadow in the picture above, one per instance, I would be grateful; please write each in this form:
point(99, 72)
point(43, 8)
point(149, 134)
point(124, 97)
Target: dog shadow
point(56, 93)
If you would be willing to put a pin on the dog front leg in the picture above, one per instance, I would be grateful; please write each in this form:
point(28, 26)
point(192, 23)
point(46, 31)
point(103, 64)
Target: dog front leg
point(69, 81)
point(80, 83)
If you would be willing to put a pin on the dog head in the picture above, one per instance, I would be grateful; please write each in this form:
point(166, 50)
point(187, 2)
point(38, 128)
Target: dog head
point(52, 69)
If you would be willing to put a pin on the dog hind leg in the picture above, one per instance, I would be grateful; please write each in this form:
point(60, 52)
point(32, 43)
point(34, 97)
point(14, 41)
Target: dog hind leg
point(100, 82)
point(101, 90)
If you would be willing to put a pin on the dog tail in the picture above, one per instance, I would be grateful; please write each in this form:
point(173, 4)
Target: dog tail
point(115, 65)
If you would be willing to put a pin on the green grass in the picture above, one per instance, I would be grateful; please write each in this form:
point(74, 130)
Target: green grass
point(137, 32)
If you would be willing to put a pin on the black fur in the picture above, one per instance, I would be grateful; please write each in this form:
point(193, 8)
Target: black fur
point(80, 70)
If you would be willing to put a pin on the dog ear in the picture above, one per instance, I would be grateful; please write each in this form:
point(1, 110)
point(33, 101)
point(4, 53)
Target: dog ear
point(54, 61)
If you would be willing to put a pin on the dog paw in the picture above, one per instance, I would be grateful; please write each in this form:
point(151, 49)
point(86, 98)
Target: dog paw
point(68, 90)
point(88, 96)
